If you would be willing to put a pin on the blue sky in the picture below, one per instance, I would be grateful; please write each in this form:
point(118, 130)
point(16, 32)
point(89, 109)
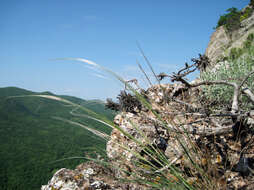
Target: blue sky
point(35, 32)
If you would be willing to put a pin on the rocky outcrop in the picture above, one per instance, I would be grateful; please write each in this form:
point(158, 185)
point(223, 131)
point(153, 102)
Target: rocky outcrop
point(247, 26)
point(221, 41)
point(143, 131)
point(224, 150)
point(217, 44)
point(87, 176)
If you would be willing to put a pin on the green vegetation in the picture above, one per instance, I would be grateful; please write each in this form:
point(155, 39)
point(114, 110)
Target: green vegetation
point(233, 18)
point(252, 3)
point(246, 14)
point(235, 53)
point(230, 20)
point(249, 41)
point(239, 63)
point(31, 140)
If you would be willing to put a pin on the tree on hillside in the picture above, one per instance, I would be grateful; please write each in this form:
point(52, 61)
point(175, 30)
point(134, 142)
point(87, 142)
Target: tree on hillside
point(230, 20)
point(252, 3)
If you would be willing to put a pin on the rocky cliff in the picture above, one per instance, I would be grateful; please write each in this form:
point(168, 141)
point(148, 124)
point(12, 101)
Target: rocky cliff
point(221, 41)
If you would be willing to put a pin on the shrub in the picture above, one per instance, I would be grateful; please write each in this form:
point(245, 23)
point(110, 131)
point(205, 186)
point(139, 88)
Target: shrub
point(239, 64)
point(249, 41)
point(126, 102)
point(235, 53)
point(246, 14)
point(252, 3)
point(231, 20)
point(250, 37)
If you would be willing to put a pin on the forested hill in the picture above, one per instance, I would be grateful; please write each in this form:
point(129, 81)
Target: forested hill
point(32, 139)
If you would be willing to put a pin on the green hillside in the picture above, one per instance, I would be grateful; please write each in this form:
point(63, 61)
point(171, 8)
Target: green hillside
point(31, 139)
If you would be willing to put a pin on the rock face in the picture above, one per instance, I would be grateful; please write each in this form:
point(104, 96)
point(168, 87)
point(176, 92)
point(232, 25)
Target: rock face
point(222, 40)
point(247, 27)
point(87, 176)
point(218, 41)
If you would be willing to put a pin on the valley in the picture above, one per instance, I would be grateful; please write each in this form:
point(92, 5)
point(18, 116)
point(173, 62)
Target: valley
point(36, 132)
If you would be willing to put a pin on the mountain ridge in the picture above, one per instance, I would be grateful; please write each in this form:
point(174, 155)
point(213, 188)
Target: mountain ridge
point(31, 138)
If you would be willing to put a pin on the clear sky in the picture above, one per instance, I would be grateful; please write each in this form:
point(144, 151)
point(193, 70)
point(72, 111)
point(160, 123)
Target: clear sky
point(34, 32)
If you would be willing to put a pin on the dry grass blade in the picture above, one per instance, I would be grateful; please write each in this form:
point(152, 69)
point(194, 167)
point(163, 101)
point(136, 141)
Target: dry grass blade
point(142, 70)
point(148, 62)
point(94, 131)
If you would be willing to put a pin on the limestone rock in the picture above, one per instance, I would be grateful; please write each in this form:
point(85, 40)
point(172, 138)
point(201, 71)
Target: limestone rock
point(220, 40)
